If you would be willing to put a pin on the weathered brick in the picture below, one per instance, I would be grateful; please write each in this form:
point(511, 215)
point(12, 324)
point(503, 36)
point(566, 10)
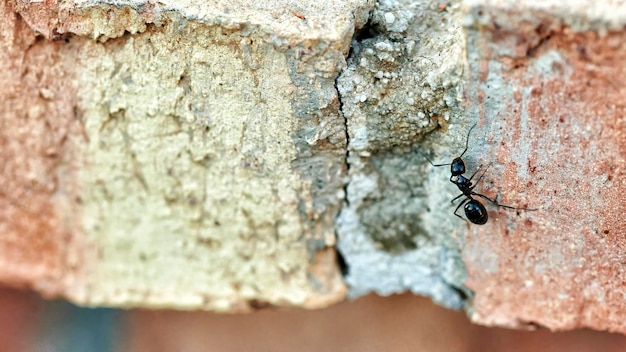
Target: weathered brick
point(174, 155)
point(546, 87)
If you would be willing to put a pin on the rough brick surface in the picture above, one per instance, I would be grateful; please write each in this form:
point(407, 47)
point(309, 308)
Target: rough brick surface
point(549, 99)
point(194, 155)
point(39, 157)
point(154, 157)
point(544, 87)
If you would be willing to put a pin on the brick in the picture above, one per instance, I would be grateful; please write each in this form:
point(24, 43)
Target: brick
point(187, 156)
point(196, 156)
point(542, 83)
point(546, 88)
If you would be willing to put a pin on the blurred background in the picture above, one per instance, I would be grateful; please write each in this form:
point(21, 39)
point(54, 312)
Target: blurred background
point(372, 323)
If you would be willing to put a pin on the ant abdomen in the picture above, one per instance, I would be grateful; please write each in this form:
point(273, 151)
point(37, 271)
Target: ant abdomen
point(475, 212)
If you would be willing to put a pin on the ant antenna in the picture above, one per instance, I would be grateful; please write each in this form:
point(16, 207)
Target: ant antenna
point(467, 140)
point(464, 150)
point(431, 163)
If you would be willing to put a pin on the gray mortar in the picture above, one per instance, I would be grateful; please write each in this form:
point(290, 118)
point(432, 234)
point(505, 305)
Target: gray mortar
point(403, 80)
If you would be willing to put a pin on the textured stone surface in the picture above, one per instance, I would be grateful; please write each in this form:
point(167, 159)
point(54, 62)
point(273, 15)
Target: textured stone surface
point(545, 89)
point(39, 154)
point(550, 101)
point(403, 80)
point(580, 15)
point(182, 155)
point(193, 155)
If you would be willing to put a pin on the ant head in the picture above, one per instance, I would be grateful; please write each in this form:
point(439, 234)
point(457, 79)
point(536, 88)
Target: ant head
point(457, 167)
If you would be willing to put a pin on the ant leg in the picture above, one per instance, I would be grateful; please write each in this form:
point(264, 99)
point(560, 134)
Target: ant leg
point(464, 150)
point(457, 208)
point(478, 169)
point(467, 140)
point(431, 163)
point(457, 197)
point(495, 202)
point(481, 176)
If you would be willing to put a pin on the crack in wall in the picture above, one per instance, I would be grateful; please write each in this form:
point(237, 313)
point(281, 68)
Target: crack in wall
point(402, 80)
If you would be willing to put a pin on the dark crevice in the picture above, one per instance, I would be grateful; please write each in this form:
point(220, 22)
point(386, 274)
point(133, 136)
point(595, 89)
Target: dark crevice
point(347, 136)
point(343, 265)
point(258, 304)
point(544, 35)
point(463, 292)
point(531, 325)
point(369, 30)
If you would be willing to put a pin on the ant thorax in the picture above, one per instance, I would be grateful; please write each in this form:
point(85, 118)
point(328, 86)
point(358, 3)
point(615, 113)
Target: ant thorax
point(461, 181)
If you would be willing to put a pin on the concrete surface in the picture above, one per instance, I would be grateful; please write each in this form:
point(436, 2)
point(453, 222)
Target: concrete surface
point(403, 80)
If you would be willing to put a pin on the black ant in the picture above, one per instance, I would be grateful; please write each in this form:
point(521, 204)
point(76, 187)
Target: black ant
point(474, 210)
